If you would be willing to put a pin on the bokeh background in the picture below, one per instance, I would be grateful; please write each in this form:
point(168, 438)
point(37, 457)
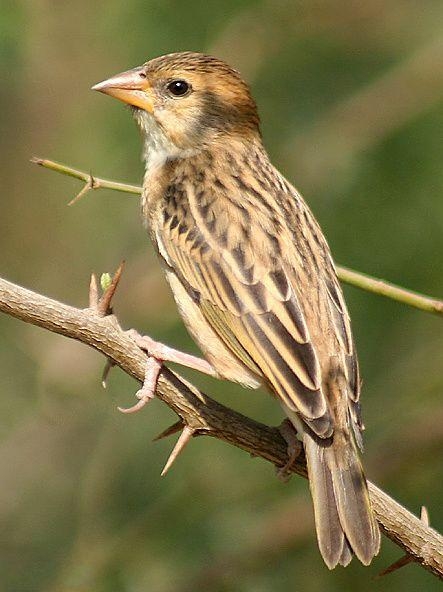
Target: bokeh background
point(350, 95)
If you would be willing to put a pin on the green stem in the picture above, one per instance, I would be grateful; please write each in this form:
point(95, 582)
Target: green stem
point(383, 288)
point(349, 276)
point(96, 182)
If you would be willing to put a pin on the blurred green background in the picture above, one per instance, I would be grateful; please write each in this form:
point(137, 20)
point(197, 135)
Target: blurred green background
point(350, 95)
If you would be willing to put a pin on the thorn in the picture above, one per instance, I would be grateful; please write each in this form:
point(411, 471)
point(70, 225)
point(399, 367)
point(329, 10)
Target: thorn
point(396, 565)
point(184, 438)
point(406, 559)
point(106, 370)
point(93, 292)
point(104, 303)
point(176, 427)
point(86, 187)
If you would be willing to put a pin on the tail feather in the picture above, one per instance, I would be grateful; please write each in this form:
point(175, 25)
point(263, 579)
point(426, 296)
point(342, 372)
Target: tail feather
point(343, 516)
point(346, 556)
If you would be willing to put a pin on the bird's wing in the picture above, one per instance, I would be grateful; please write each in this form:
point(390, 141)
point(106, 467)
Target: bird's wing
point(231, 266)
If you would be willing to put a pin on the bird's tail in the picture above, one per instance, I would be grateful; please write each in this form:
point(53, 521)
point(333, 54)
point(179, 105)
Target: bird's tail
point(344, 519)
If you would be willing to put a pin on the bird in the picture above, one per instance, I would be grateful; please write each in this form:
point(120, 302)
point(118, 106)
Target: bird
point(252, 276)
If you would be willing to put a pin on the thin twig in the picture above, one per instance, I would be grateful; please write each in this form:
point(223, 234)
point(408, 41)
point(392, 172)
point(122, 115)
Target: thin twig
point(384, 288)
point(349, 276)
point(86, 177)
point(203, 415)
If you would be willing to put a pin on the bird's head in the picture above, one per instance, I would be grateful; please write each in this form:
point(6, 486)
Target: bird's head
point(186, 101)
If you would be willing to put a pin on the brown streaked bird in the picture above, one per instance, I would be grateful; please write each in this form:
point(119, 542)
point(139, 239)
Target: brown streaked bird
point(252, 276)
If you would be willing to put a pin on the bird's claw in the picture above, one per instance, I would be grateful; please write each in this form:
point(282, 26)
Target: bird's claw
point(289, 433)
point(143, 400)
point(147, 392)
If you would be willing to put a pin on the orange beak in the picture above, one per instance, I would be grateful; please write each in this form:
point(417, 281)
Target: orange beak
point(131, 87)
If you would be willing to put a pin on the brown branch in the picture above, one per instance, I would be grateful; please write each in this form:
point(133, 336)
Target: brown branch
point(203, 415)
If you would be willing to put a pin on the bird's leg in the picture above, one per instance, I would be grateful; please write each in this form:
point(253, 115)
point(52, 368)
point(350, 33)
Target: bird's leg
point(158, 353)
point(289, 433)
point(168, 354)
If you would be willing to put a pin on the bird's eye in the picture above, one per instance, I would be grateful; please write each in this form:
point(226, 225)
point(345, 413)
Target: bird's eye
point(178, 88)
point(142, 74)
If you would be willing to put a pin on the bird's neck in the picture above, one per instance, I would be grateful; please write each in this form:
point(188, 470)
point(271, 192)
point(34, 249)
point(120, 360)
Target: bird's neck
point(158, 149)
point(166, 163)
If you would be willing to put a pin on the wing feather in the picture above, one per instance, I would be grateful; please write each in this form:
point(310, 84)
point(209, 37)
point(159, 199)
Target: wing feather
point(250, 296)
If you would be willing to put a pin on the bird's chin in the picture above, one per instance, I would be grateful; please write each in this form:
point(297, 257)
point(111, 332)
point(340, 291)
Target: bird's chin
point(138, 114)
point(147, 122)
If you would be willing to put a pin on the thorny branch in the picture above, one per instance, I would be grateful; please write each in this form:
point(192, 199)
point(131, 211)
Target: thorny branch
point(349, 276)
point(199, 414)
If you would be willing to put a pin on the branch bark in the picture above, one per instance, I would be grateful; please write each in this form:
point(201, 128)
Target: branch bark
point(205, 416)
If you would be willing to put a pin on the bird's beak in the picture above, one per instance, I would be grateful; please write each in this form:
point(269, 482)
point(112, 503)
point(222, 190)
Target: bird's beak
point(131, 87)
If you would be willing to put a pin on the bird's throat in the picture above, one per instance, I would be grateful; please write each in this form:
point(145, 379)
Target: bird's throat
point(158, 148)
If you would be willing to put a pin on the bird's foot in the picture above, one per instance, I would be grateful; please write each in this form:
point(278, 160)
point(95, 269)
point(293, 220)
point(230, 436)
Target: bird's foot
point(158, 353)
point(289, 433)
point(147, 391)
